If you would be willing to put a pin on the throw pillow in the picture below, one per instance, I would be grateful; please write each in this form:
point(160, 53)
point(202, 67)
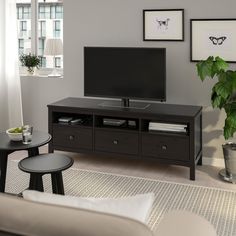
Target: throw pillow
point(136, 207)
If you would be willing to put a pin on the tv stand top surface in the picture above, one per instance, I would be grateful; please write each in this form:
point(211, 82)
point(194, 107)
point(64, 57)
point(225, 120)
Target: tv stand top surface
point(152, 109)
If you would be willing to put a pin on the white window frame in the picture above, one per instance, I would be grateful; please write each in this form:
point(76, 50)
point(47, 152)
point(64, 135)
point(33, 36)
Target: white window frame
point(34, 38)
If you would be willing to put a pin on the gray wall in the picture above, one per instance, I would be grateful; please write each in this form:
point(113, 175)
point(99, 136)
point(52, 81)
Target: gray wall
point(119, 23)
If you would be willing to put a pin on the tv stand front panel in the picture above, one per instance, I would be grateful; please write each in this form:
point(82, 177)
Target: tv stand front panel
point(129, 140)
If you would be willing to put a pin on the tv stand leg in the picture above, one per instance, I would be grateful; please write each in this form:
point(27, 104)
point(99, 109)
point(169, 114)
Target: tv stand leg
point(192, 172)
point(200, 161)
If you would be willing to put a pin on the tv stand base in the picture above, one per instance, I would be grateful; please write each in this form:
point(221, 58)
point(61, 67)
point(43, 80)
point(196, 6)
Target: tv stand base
point(120, 104)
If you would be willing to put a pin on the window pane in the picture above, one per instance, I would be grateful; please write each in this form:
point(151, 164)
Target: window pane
point(57, 29)
point(59, 12)
point(42, 29)
point(43, 62)
point(41, 43)
point(57, 62)
point(50, 25)
point(26, 12)
point(53, 12)
point(24, 25)
point(21, 46)
point(41, 12)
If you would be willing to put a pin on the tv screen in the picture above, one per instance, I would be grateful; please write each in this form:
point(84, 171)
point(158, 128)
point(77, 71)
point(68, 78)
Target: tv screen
point(133, 73)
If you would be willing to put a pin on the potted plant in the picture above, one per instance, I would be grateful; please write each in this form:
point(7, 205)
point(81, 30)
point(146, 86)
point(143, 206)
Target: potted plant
point(30, 61)
point(223, 96)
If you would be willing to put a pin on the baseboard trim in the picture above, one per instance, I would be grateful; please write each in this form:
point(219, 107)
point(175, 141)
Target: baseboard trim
point(213, 161)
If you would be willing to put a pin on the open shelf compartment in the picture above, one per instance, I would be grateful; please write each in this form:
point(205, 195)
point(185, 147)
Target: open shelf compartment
point(164, 127)
point(82, 119)
point(112, 122)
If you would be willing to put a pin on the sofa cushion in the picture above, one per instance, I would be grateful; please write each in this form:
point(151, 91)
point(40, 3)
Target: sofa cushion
point(30, 218)
point(184, 223)
point(136, 207)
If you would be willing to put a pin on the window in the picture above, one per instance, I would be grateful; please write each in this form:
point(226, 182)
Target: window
point(44, 12)
point(43, 62)
point(57, 29)
point(23, 12)
point(42, 29)
point(19, 13)
point(23, 26)
point(34, 29)
point(57, 62)
point(41, 47)
point(26, 12)
point(56, 12)
point(59, 12)
point(21, 46)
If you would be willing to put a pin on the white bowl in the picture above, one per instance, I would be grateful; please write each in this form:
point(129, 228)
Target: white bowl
point(14, 136)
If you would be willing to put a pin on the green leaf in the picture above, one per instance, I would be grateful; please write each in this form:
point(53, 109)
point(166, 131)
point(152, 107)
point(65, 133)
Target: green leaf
point(204, 68)
point(230, 121)
point(230, 126)
point(211, 67)
point(223, 89)
point(222, 76)
point(231, 77)
point(216, 100)
point(228, 132)
point(220, 64)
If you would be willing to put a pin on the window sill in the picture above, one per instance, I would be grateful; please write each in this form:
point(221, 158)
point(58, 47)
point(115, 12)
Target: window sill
point(40, 76)
point(41, 73)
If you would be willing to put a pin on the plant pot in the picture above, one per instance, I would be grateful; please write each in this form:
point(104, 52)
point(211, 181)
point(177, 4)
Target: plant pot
point(229, 151)
point(31, 71)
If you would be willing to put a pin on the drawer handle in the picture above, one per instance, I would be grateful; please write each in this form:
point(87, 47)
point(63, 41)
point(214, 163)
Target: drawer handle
point(71, 137)
point(115, 142)
point(164, 147)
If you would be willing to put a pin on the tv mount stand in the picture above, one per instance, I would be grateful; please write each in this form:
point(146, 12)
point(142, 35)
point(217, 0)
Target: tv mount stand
point(125, 103)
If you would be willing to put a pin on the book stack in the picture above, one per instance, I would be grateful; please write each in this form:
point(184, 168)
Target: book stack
point(156, 126)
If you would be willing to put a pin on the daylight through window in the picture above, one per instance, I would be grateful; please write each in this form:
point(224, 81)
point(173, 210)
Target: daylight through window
point(39, 20)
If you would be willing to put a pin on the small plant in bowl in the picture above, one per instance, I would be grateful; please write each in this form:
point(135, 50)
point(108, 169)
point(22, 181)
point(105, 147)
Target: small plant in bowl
point(30, 61)
point(15, 134)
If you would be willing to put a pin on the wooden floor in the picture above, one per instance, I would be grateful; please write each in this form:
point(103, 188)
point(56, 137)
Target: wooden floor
point(205, 175)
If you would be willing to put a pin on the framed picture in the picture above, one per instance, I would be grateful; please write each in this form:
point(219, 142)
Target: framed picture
point(213, 37)
point(163, 25)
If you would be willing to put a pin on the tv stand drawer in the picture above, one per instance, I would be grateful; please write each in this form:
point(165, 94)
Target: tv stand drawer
point(164, 146)
point(72, 137)
point(116, 142)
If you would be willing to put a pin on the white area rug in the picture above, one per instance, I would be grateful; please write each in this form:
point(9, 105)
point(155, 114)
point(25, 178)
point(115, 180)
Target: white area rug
point(216, 205)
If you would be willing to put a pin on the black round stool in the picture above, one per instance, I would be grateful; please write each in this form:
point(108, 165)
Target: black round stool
point(43, 164)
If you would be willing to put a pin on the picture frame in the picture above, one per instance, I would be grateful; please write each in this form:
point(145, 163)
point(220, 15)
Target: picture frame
point(213, 37)
point(163, 25)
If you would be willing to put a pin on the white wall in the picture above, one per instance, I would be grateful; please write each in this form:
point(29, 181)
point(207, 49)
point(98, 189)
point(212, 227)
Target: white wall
point(119, 23)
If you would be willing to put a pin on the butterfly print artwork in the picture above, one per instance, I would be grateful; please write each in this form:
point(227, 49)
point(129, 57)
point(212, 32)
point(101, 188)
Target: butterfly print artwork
point(217, 41)
point(162, 24)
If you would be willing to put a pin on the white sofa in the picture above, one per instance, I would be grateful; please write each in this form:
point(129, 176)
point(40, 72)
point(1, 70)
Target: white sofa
point(23, 217)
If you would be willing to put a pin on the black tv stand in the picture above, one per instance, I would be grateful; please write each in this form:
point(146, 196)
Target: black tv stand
point(131, 139)
point(126, 104)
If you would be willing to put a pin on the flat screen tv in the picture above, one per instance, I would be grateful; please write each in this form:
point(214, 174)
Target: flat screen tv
point(126, 73)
